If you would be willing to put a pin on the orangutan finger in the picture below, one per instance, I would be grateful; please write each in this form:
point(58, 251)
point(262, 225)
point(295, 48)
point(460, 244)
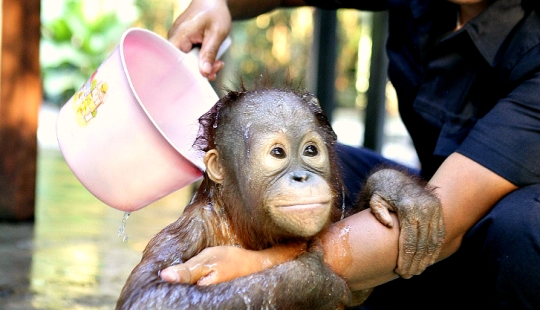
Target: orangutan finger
point(380, 209)
point(407, 249)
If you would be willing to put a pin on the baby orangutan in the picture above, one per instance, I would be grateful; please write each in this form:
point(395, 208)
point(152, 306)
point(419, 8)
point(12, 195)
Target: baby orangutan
point(271, 178)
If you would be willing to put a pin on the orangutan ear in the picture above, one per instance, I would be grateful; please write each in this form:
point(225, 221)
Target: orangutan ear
point(214, 169)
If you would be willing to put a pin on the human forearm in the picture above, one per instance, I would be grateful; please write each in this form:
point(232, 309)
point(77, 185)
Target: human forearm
point(361, 250)
point(243, 9)
point(419, 213)
point(304, 283)
point(467, 192)
point(358, 248)
point(202, 269)
point(364, 252)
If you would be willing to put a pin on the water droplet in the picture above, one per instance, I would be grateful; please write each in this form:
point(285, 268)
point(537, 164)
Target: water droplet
point(122, 230)
point(344, 232)
point(214, 125)
point(247, 139)
point(342, 203)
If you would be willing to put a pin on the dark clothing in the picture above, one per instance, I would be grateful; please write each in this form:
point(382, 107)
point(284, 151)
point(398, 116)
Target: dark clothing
point(357, 164)
point(496, 267)
point(475, 91)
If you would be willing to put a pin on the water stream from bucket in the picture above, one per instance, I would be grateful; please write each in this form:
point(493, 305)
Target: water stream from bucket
point(122, 230)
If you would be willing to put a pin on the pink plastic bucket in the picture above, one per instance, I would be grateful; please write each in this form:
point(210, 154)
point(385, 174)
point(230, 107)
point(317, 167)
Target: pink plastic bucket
point(127, 134)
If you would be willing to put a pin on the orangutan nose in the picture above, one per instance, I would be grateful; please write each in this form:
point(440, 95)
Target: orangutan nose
point(300, 176)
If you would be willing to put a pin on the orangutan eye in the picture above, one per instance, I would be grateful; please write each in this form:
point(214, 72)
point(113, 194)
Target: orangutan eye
point(278, 152)
point(311, 151)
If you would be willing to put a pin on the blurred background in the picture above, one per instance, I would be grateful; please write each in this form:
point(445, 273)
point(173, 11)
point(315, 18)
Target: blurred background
point(77, 35)
point(68, 254)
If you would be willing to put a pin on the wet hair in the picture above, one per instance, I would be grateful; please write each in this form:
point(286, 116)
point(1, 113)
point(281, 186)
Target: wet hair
point(210, 121)
point(210, 124)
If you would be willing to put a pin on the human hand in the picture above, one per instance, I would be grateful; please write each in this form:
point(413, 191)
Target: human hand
point(420, 217)
point(205, 22)
point(223, 263)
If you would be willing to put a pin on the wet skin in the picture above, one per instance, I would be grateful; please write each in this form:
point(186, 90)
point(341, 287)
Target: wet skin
point(270, 180)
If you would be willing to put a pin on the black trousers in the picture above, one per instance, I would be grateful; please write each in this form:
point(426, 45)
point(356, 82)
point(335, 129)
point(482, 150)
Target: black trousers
point(496, 267)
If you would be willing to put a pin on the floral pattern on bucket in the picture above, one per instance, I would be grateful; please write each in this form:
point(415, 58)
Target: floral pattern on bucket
point(88, 98)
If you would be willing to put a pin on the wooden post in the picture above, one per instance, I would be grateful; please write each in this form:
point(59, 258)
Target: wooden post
point(376, 94)
point(322, 67)
point(20, 90)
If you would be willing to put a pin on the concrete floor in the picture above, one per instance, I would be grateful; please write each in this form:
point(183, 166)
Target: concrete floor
point(72, 256)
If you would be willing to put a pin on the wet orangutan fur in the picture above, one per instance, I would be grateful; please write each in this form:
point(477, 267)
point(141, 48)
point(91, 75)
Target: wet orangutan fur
point(275, 148)
point(271, 177)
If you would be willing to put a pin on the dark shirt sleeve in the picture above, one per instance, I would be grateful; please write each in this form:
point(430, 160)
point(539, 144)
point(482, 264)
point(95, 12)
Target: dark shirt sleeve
point(507, 139)
point(368, 5)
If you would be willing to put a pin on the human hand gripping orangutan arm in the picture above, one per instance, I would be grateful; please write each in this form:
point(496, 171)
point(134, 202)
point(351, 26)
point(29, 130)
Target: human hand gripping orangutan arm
point(421, 225)
point(466, 190)
point(359, 248)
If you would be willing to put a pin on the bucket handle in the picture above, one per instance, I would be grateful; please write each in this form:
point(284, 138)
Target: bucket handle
point(222, 49)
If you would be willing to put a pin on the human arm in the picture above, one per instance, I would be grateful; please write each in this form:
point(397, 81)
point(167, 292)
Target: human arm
point(421, 228)
point(505, 140)
point(198, 228)
point(364, 252)
point(467, 192)
point(291, 285)
point(270, 288)
point(208, 22)
point(200, 271)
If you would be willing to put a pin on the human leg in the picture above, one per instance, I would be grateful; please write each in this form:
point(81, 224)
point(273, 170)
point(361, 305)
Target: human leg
point(356, 164)
point(507, 241)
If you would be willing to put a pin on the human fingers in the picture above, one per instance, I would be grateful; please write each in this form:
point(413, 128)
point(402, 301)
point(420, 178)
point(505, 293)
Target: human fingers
point(209, 64)
point(187, 30)
point(214, 265)
point(206, 23)
point(197, 267)
point(183, 273)
point(218, 65)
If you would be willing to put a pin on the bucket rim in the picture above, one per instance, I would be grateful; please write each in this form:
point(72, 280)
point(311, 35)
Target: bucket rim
point(200, 80)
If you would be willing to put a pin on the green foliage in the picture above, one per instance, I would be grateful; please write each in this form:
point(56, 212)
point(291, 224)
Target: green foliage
point(280, 43)
point(77, 35)
point(276, 43)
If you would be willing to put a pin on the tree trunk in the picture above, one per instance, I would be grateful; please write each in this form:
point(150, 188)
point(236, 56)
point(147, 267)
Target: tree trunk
point(20, 90)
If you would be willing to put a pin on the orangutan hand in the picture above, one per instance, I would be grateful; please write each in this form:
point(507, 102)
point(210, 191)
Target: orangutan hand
point(420, 215)
point(205, 22)
point(223, 263)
